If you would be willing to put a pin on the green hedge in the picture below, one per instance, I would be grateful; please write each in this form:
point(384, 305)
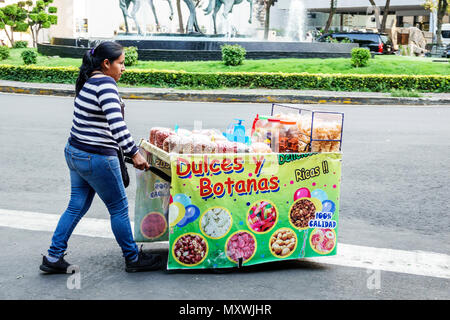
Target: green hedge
point(342, 82)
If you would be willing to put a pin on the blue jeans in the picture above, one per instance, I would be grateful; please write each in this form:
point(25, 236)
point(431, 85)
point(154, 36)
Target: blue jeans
point(89, 174)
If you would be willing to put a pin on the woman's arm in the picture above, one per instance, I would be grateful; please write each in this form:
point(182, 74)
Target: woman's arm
point(108, 97)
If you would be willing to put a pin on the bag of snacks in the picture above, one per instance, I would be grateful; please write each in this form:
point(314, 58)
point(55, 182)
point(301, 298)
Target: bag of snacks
point(260, 147)
point(186, 145)
point(172, 144)
point(240, 147)
point(162, 135)
point(203, 144)
point(225, 146)
point(184, 132)
point(153, 132)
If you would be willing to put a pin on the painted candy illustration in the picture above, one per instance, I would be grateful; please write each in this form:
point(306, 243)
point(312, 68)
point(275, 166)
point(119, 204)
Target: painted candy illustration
point(262, 216)
point(241, 245)
point(153, 225)
point(323, 241)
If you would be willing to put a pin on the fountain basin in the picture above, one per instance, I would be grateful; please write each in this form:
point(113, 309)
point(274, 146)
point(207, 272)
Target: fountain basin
point(203, 48)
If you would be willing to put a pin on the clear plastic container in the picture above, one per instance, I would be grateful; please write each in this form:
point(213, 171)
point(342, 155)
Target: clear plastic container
point(288, 138)
point(272, 134)
point(259, 128)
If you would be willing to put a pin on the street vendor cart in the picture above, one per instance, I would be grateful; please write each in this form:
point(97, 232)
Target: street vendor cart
point(274, 196)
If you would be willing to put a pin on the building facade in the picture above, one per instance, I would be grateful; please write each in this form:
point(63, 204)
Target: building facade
point(351, 14)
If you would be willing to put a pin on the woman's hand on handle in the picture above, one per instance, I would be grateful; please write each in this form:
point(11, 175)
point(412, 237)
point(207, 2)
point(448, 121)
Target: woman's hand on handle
point(139, 162)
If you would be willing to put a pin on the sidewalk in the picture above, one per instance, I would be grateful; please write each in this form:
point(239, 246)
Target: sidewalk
point(238, 95)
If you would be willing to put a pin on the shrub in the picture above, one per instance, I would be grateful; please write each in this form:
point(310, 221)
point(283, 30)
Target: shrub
point(131, 56)
point(297, 81)
point(233, 55)
point(360, 57)
point(29, 57)
point(4, 52)
point(20, 44)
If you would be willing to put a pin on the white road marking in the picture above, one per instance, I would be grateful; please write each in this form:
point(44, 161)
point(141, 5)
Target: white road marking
point(419, 263)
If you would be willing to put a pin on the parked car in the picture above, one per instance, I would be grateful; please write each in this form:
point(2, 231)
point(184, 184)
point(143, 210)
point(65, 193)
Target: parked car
point(379, 43)
point(445, 33)
point(446, 53)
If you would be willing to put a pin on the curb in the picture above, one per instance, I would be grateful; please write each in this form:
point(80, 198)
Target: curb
point(198, 96)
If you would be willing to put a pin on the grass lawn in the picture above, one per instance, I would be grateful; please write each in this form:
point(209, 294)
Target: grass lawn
point(379, 65)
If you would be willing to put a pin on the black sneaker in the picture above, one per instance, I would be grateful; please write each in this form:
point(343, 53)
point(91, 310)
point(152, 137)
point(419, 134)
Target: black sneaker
point(144, 262)
point(59, 266)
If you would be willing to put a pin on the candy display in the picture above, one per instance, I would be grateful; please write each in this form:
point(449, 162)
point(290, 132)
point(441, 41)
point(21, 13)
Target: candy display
point(237, 199)
point(216, 222)
point(301, 212)
point(262, 216)
point(323, 241)
point(241, 245)
point(283, 242)
point(190, 249)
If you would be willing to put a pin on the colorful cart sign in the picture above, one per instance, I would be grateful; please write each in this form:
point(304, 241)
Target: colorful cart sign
point(243, 209)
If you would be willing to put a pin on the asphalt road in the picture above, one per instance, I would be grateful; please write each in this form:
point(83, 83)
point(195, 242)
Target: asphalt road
point(394, 194)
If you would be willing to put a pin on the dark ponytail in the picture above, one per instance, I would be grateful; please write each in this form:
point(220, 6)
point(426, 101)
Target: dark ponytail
point(93, 58)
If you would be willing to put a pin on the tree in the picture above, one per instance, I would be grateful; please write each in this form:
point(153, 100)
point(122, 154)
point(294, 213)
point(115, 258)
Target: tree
point(13, 17)
point(267, 5)
point(381, 26)
point(442, 7)
point(333, 5)
point(40, 16)
point(180, 18)
point(385, 15)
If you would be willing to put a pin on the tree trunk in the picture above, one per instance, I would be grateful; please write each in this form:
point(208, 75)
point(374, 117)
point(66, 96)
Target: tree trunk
point(385, 15)
point(180, 18)
point(8, 36)
point(376, 13)
point(37, 34)
point(12, 37)
point(267, 20)
point(442, 8)
point(33, 37)
point(330, 16)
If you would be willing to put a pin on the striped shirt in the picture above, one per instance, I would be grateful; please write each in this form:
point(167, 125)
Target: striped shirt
point(98, 125)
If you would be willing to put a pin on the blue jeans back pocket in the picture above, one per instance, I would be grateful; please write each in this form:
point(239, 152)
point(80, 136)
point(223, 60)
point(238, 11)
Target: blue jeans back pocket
point(82, 164)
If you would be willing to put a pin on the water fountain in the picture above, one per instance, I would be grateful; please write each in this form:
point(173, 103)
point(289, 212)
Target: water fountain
point(295, 30)
point(196, 45)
